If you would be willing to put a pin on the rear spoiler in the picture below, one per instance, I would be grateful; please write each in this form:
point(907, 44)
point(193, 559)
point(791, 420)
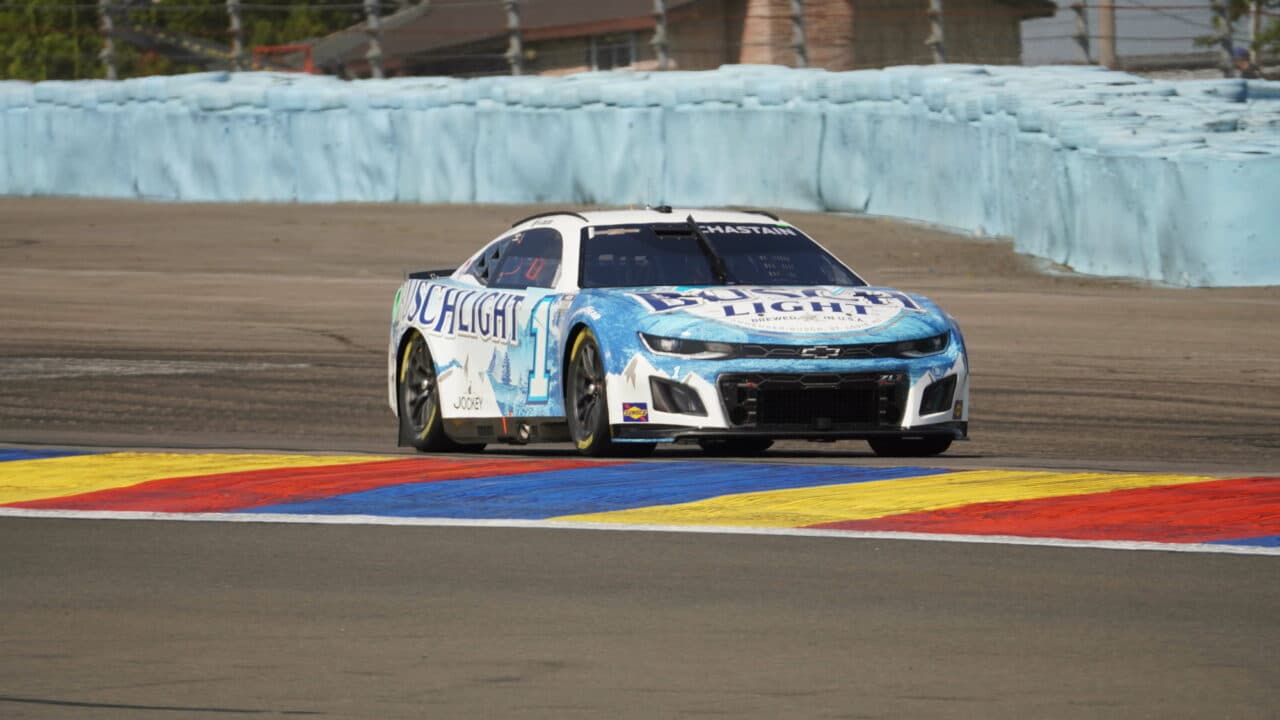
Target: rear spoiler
point(429, 274)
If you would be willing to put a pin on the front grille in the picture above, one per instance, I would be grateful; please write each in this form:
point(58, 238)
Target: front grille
point(843, 401)
point(818, 352)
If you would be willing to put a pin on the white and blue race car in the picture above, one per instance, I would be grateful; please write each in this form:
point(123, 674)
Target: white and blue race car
point(620, 330)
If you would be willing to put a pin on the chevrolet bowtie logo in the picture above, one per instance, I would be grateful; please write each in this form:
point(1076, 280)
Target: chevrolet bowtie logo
point(820, 352)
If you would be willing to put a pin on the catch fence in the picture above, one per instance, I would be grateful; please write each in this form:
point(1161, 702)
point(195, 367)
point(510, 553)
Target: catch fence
point(55, 39)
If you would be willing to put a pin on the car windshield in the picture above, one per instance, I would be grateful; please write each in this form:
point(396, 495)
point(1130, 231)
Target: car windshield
point(753, 254)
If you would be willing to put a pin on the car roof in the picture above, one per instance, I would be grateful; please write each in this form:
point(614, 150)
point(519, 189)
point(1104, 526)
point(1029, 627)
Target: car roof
point(648, 216)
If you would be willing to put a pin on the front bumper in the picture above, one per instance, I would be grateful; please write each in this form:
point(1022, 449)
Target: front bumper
point(677, 433)
point(770, 398)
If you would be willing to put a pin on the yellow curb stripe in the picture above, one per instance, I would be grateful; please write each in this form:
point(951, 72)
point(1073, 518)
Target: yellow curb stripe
point(23, 480)
point(801, 507)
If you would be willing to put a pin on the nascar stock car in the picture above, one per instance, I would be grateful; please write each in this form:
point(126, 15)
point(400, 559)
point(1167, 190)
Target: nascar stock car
point(619, 330)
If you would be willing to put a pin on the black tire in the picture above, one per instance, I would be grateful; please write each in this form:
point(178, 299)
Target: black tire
point(910, 447)
point(418, 398)
point(587, 403)
point(735, 447)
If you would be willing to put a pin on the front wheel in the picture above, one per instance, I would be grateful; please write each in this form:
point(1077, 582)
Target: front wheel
point(418, 395)
point(910, 447)
point(587, 402)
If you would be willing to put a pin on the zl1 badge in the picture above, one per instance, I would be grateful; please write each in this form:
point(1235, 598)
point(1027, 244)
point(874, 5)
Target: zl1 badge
point(635, 412)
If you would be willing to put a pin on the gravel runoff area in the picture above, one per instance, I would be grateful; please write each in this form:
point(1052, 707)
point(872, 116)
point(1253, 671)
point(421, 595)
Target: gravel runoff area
point(265, 326)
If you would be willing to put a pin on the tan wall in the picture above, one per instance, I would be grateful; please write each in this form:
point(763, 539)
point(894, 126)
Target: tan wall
point(760, 31)
point(828, 26)
point(766, 33)
point(841, 34)
point(698, 36)
point(892, 32)
point(982, 31)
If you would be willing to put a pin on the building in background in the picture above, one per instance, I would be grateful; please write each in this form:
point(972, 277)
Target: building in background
point(564, 36)
point(1151, 35)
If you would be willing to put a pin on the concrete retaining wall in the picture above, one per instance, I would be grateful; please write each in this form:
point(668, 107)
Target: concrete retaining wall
point(1108, 173)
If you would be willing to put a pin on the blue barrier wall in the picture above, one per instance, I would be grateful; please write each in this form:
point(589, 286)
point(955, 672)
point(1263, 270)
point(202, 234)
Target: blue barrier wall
point(1106, 172)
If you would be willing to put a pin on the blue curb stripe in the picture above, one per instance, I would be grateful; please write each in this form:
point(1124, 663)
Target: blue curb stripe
point(538, 496)
point(8, 454)
point(1264, 541)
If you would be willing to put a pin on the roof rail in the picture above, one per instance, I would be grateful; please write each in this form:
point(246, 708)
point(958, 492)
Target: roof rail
point(757, 211)
point(548, 214)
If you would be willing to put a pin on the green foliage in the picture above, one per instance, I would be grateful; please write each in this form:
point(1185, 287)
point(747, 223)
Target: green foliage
point(61, 40)
point(45, 40)
point(1269, 39)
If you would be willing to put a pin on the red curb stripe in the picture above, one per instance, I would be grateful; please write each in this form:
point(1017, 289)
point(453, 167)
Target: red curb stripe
point(225, 492)
point(1196, 512)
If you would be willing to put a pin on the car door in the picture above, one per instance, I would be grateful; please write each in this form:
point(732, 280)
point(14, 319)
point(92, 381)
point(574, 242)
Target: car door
point(524, 264)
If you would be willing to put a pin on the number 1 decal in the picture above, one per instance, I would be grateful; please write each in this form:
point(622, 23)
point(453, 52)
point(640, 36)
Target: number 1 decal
point(540, 329)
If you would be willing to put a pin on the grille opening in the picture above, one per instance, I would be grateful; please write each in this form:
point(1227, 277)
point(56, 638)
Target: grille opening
point(850, 401)
point(812, 406)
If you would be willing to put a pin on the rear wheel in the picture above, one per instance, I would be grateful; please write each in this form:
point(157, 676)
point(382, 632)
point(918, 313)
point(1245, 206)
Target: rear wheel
point(419, 401)
point(910, 447)
point(735, 447)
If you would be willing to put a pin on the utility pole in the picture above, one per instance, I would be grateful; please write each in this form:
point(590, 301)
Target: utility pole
point(1082, 29)
point(1107, 34)
point(798, 41)
point(1222, 34)
point(1255, 29)
point(515, 49)
point(659, 42)
point(236, 30)
point(373, 28)
point(108, 53)
point(934, 41)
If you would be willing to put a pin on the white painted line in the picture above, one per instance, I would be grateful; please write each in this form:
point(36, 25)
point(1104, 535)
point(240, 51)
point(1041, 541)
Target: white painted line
point(284, 518)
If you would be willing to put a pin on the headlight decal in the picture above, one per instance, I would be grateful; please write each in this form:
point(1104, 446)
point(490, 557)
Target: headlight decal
point(693, 349)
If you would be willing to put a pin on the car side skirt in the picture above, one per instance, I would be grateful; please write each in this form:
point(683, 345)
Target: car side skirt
point(511, 430)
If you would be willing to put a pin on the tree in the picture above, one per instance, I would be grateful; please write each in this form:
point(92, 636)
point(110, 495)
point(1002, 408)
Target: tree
point(61, 39)
point(1268, 39)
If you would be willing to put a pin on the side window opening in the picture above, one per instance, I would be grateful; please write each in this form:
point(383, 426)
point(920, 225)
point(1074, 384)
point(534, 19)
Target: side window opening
point(482, 267)
point(530, 258)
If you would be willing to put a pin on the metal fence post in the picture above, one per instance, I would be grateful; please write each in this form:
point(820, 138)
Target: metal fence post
point(236, 30)
point(1107, 34)
point(798, 41)
point(1082, 29)
point(1222, 35)
point(1255, 30)
point(659, 41)
point(373, 28)
point(515, 48)
point(935, 40)
point(108, 53)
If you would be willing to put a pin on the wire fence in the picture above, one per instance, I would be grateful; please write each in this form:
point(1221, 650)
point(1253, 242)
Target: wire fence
point(48, 39)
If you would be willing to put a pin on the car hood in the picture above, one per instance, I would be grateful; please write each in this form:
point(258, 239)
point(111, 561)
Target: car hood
point(774, 314)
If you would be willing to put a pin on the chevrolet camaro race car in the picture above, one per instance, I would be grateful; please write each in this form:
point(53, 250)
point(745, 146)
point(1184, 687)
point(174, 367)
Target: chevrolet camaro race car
point(620, 330)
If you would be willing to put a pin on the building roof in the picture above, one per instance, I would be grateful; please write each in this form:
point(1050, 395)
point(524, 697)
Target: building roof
point(439, 24)
point(434, 25)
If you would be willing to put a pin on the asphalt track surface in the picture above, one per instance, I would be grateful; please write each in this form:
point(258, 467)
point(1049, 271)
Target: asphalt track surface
point(129, 325)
